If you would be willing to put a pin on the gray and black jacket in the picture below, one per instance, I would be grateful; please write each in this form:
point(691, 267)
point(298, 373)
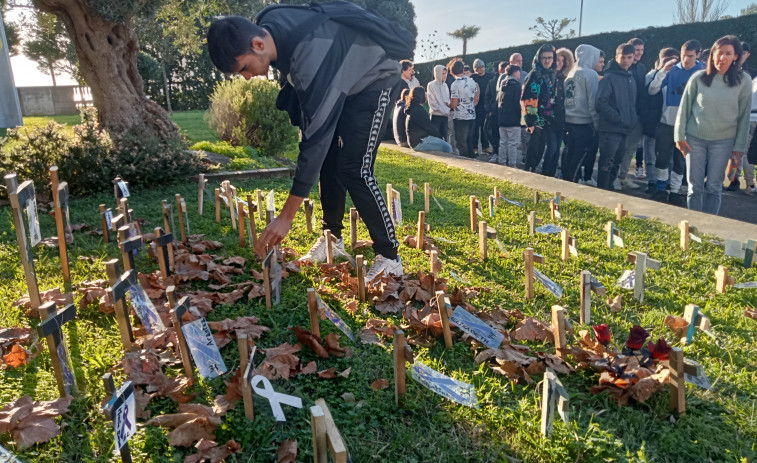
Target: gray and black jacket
point(325, 67)
point(616, 100)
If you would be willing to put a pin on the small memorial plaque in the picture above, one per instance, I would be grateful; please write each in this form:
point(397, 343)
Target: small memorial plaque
point(514, 203)
point(548, 229)
point(457, 391)
point(125, 421)
point(627, 280)
point(472, 325)
point(145, 309)
point(326, 311)
point(35, 235)
point(749, 285)
point(203, 347)
point(553, 287)
point(700, 380)
point(397, 212)
point(124, 189)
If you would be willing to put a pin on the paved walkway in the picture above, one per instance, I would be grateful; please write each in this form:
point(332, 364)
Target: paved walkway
point(736, 205)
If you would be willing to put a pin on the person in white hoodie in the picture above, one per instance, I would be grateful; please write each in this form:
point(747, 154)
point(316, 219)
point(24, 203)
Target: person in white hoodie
point(581, 118)
point(437, 94)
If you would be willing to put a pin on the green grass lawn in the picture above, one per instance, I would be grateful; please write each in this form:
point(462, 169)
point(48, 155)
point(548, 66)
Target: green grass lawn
point(719, 425)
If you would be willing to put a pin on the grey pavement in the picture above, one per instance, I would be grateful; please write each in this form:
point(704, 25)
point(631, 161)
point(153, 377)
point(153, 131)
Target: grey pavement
point(738, 219)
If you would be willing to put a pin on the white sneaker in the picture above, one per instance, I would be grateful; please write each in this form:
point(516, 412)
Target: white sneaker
point(386, 266)
point(750, 190)
point(581, 181)
point(627, 183)
point(616, 185)
point(591, 182)
point(640, 173)
point(319, 251)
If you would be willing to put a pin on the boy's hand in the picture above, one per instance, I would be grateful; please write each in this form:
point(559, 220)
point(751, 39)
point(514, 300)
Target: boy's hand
point(684, 147)
point(668, 65)
point(278, 229)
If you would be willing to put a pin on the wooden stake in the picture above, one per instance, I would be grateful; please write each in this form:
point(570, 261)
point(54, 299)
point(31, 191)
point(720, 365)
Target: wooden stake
point(231, 194)
point(180, 212)
point(177, 313)
point(261, 201)
point(244, 363)
point(441, 304)
point(320, 443)
point(722, 279)
point(202, 184)
point(313, 311)
point(528, 257)
point(620, 213)
point(162, 241)
point(104, 224)
point(119, 300)
point(426, 197)
point(585, 298)
point(128, 245)
point(360, 270)
point(412, 188)
point(685, 230)
point(642, 262)
point(552, 209)
point(402, 353)
point(329, 247)
point(18, 196)
point(241, 214)
point(389, 199)
point(434, 257)
point(334, 438)
point(677, 381)
point(532, 222)
point(51, 327)
point(537, 197)
point(496, 195)
point(308, 205)
point(558, 330)
point(123, 393)
point(421, 230)
point(565, 234)
point(60, 201)
point(167, 230)
point(492, 201)
point(218, 204)
point(251, 217)
point(353, 227)
point(749, 253)
point(482, 240)
point(473, 215)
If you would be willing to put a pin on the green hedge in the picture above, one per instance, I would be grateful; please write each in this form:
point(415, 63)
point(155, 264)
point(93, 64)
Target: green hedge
point(656, 38)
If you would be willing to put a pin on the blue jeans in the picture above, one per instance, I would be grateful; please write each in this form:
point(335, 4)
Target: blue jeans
point(708, 159)
point(612, 147)
point(552, 153)
point(431, 143)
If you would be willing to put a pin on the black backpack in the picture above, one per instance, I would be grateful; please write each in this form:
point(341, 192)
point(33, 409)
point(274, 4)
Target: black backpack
point(397, 41)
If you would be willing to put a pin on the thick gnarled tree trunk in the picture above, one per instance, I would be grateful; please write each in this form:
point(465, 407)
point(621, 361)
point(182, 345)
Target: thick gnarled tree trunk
point(107, 53)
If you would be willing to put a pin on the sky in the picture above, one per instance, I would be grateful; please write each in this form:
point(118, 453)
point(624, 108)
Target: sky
point(503, 23)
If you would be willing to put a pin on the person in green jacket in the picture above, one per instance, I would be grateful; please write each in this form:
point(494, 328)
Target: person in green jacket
point(712, 124)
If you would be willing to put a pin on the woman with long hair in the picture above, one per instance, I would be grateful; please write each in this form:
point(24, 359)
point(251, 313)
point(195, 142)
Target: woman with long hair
point(556, 132)
point(422, 134)
point(538, 103)
point(712, 124)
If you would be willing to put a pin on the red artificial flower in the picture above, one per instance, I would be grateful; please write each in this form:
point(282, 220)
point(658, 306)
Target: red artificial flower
point(660, 350)
point(602, 332)
point(636, 337)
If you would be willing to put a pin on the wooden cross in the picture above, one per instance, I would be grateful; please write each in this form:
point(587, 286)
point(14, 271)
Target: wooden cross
point(492, 205)
point(554, 206)
point(537, 197)
point(427, 191)
point(412, 188)
point(435, 263)
point(60, 201)
point(120, 284)
point(473, 213)
point(217, 193)
point(685, 230)
point(246, 364)
point(315, 326)
point(497, 195)
point(127, 245)
point(695, 319)
point(51, 328)
point(19, 195)
point(551, 388)
point(421, 230)
point(308, 206)
point(589, 285)
point(329, 247)
point(558, 330)
point(241, 214)
point(117, 193)
point(167, 229)
point(178, 309)
point(360, 270)
point(109, 410)
point(203, 183)
point(162, 243)
point(271, 265)
point(181, 208)
point(123, 207)
point(567, 242)
point(104, 223)
point(326, 436)
point(391, 195)
point(677, 381)
point(402, 353)
point(485, 233)
point(354, 217)
point(613, 235)
point(642, 263)
point(620, 213)
point(251, 207)
point(722, 279)
point(117, 222)
point(442, 305)
point(749, 253)
point(532, 222)
point(530, 258)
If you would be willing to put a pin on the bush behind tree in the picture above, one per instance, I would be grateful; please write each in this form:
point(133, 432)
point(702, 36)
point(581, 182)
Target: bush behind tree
point(243, 112)
point(656, 38)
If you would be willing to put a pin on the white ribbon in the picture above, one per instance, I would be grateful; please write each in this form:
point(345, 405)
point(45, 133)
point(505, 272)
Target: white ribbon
point(275, 398)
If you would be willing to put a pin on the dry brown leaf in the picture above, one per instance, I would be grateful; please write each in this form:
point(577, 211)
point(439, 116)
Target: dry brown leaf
point(236, 260)
point(351, 307)
point(193, 423)
point(54, 295)
point(11, 336)
point(242, 325)
point(328, 374)
point(32, 422)
point(332, 344)
point(310, 340)
point(380, 384)
point(389, 306)
point(309, 369)
point(287, 452)
point(615, 305)
point(16, 357)
point(207, 450)
point(532, 329)
point(751, 313)
point(676, 324)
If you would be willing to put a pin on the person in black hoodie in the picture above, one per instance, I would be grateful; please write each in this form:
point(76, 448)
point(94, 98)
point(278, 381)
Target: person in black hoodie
point(634, 138)
point(398, 120)
point(482, 78)
point(538, 103)
point(509, 115)
point(490, 105)
point(422, 135)
point(616, 107)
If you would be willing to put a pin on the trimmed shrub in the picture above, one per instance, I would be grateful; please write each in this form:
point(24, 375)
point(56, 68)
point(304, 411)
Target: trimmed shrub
point(243, 112)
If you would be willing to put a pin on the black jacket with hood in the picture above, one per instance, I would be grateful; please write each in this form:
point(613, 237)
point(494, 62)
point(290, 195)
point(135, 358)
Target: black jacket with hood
point(616, 100)
point(418, 125)
point(508, 102)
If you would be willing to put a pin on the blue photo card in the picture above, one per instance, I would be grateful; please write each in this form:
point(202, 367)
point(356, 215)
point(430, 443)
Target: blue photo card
point(204, 350)
point(452, 389)
point(475, 327)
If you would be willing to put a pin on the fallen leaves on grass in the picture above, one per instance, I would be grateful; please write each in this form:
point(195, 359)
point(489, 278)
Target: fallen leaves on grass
point(532, 329)
point(94, 291)
point(16, 357)
point(615, 305)
point(32, 422)
point(242, 325)
point(193, 423)
point(310, 340)
point(375, 327)
point(677, 325)
point(54, 295)
point(287, 451)
point(144, 367)
point(207, 450)
point(380, 384)
point(751, 313)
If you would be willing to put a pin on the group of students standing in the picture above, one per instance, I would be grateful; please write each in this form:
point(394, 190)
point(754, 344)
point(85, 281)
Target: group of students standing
point(684, 120)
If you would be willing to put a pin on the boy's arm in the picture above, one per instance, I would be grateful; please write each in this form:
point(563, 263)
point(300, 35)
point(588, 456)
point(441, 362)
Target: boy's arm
point(604, 110)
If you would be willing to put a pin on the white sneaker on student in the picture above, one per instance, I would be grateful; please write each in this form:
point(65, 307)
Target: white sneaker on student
point(591, 182)
point(385, 265)
point(627, 183)
point(581, 181)
point(616, 185)
point(319, 251)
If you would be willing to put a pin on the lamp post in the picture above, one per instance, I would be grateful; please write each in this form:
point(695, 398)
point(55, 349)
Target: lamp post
point(581, 18)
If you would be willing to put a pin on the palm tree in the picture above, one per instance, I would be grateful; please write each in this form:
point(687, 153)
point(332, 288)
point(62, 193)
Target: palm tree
point(465, 33)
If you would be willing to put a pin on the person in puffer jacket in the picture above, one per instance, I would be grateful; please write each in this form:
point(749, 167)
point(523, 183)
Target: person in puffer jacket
point(437, 93)
point(509, 116)
point(538, 103)
point(616, 107)
point(422, 135)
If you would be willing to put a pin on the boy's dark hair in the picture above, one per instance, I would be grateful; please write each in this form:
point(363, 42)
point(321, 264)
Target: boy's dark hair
point(406, 63)
point(635, 41)
point(733, 75)
point(467, 68)
point(692, 45)
point(668, 52)
point(502, 66)
point(416, 95)
point(625, 49)
point(229, 38)
point(601, 53)
point(745, 47)
point(512, 69)
point(458, 67)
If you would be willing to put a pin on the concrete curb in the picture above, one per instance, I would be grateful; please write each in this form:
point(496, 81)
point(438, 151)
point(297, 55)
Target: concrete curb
point(721, 227)
point(278, 172)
